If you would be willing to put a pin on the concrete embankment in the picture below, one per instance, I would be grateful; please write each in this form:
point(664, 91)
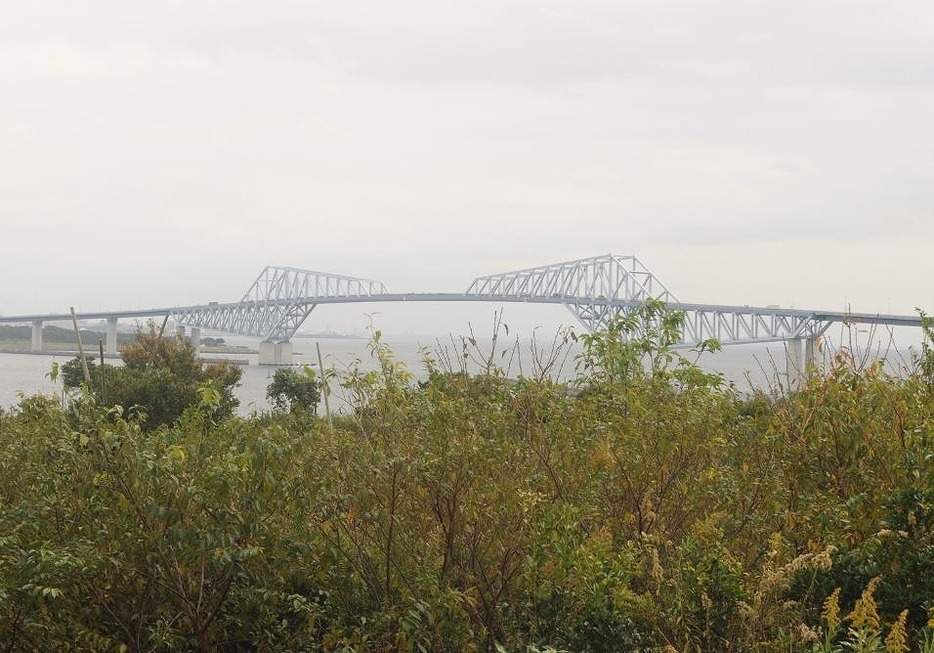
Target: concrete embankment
point(95, 355)
point(57, 352)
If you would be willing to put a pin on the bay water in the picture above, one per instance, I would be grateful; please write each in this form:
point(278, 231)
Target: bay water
point(747, 366)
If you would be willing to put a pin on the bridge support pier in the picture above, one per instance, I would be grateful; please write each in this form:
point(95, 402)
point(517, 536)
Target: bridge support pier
point(110, 337)
point(36, 335)
point(275, 353)
point(799, 357)
point(194, 338)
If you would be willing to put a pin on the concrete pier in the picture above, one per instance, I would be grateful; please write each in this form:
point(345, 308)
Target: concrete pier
point(194, 336)
point(36, 335)
point(275, 353)
point(799, 357)
point(110, 337)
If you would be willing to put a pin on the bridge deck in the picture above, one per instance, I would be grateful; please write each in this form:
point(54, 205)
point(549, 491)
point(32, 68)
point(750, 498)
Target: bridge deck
point(713, 313)
point(832, 316)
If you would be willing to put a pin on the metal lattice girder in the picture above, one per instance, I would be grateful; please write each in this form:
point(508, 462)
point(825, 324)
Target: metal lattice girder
point(726, 324)
point(598, 289)
point(599, 277)
point(278, 302)
point(593, 289)
point(286, 284)
point(737, 325)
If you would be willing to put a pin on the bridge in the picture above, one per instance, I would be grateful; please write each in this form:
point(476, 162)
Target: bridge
point(593, 289)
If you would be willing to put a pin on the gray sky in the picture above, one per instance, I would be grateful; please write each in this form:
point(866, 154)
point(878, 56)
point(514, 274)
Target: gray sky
point(747, 152)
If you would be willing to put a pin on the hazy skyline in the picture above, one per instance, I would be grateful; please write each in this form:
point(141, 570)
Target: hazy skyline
point(745, 152)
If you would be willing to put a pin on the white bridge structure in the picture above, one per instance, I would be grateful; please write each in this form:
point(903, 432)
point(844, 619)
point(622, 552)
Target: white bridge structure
point(593, 289)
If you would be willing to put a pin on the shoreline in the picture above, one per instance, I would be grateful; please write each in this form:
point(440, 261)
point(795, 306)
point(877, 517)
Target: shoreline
point(70, 353)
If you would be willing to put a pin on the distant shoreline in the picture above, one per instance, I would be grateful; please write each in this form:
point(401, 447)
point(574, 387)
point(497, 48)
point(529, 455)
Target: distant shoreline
point(71, 353)
point(328, 336)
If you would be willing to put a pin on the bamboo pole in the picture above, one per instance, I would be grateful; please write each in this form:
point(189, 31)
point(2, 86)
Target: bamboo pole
point(84, 362)
point(156, 345)
point(102, 375)
point(325, 387)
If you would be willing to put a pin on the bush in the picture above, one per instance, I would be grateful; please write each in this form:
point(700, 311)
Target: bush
point(653, 509)
point(160, 377)
point(291, 391)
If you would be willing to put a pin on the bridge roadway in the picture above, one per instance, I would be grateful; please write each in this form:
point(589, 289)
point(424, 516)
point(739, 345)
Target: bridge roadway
point(701, 319)
point(688, 308)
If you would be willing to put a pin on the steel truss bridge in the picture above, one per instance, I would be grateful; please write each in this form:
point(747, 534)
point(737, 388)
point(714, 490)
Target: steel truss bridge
point(593, 289)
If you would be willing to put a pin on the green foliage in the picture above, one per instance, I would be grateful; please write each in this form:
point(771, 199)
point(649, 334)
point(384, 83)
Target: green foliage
point(151, 541)
point(650, 508)
point(900, 553)
point(924, 361)
point(293, 391)
point(637, 346)
point(58, 335)
point(72, 373)
point(160, 378)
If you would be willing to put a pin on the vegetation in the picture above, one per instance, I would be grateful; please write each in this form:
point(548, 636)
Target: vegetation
point(54, 335)
point(293, 391)
point(649, 507)
point(160, 378)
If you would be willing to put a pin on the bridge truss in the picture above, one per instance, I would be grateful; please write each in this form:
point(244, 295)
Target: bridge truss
point(278, 302)
point(593, 289)
point(597, 289)
point(738, 325)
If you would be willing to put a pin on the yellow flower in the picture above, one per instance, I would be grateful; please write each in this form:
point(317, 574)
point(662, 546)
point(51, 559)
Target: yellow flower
point(864, 615)
point(897, 641)
point(831, 612)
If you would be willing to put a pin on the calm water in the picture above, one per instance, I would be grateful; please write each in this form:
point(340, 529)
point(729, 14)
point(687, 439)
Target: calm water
point(747, 366)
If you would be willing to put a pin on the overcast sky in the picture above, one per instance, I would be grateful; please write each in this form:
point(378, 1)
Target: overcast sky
point(746, 152)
